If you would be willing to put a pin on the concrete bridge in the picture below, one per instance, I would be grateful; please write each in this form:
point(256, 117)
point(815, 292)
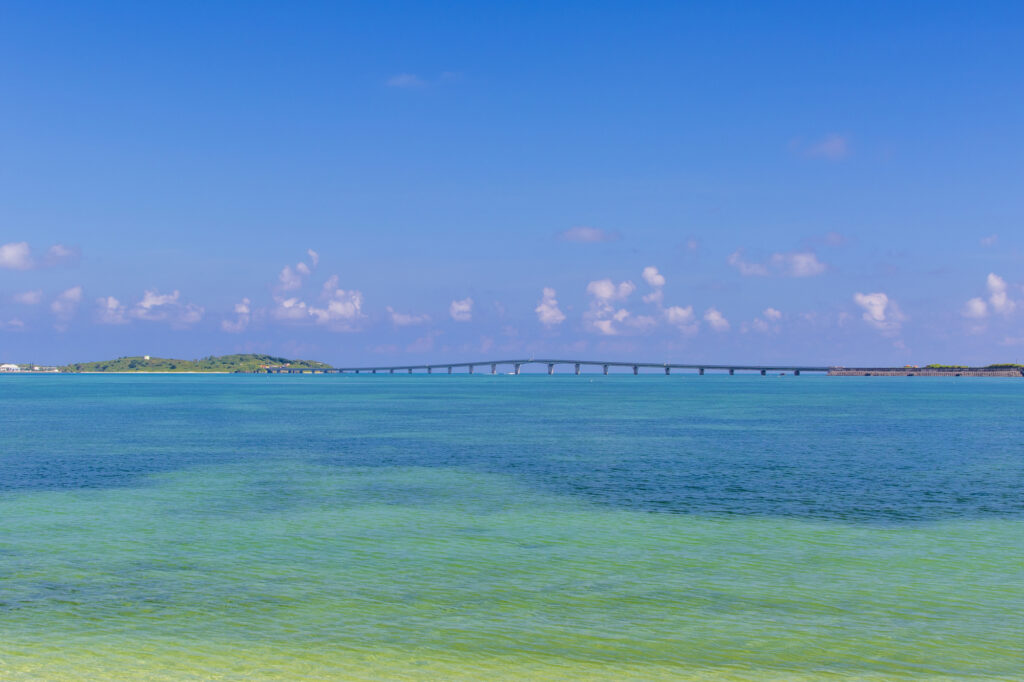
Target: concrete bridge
point(515, 366)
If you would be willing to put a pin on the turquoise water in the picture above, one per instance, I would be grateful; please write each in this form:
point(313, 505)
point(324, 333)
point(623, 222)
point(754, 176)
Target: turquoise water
point(324, 527)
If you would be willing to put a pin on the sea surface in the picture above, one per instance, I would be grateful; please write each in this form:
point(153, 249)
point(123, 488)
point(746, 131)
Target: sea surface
point(496, 527)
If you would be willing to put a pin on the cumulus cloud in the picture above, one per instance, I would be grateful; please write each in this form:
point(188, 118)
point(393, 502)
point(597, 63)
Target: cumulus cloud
point(28, 297)
point(16, 256)
point(606, 290)
point(747, 269)
point(768, 322)
point(976, 309)
point(798, 264)
point(292, 277)
point(153, 307)
point(999, 301)
point(587, 235)
point(683, 318)
point(998, 298)
point(547, 310)
point(461, 311)
point(406, 319)
point(990, 240)
point(110, 311)
point(243, 312)
point(716, 320)
point(65, 305)
point(656, 281)
point(59, 254)
point(880, 311)
point(791, 264)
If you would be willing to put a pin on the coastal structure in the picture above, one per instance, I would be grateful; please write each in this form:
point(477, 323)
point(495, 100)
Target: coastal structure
point(578, 366)
point(604, 366)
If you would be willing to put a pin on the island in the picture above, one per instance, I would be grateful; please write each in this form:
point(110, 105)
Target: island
point(224, 364)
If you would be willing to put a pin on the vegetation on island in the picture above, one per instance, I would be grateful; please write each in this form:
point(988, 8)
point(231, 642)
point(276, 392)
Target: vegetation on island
point(248, 362)
point(1002, 365)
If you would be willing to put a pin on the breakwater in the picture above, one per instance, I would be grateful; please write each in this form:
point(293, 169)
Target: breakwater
point(926, 372)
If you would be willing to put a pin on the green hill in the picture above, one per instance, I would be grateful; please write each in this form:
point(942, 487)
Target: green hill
point(224, 363)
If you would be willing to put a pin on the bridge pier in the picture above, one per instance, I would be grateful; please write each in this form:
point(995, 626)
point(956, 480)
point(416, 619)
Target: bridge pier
point(373, 371)
point(449, 369)
point(636, 370)
point(494, 368)
point(796, 372)
point(357, 371)
point(605, 370)
point(700, 371)
point(430, 370)
point(471, 369)
point(577, 369)
point(763, 372)
point(731, 371)
point(667, 371)
point(516, 369)
point(551, 368)
point(410, 370)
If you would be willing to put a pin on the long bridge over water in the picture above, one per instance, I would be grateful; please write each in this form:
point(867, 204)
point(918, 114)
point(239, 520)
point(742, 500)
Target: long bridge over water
point(514, 367)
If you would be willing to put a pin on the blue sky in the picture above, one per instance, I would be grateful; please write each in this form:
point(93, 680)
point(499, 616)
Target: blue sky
point(728, 182)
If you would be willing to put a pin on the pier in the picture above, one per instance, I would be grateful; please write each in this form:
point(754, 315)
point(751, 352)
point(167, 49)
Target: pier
point(577, 367)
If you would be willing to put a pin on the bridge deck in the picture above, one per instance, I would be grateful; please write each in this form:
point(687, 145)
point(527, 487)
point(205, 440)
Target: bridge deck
point(555, 363)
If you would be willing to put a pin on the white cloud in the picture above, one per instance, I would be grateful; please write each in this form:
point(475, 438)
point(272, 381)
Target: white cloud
point(683, 318)
point(28, 297)
point(680, 316)
point(768, 322)
point(16, 256)
point(798, 264)
point(547, 310)
point(406, 319)
point(157, 307)
point(406, 80)
point(587, 235)
point(13, 324)
point(244, 312)
point(59, 254)
point(976, 309)
point(747, 269)
point(880, 311)
point(461, 311)
point(64, 306)
point(998, 298)
point(999, 302)
point(653, 277)
point(110, 311)
point(290, 279)
point(656, 281)
point(716, 320)
point(606, 290)
point(990, 240)
point(792, 264)
point(343, 308)
point(832, 147)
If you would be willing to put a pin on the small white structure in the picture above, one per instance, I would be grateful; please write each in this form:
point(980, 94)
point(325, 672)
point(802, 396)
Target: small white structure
point(8, 367)
point(145, 357)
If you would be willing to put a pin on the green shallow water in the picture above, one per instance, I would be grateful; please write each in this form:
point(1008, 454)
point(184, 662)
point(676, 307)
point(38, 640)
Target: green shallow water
point(221, 534)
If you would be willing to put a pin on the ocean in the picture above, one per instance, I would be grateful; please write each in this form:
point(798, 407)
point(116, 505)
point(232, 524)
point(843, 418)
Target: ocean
point(497, 527)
